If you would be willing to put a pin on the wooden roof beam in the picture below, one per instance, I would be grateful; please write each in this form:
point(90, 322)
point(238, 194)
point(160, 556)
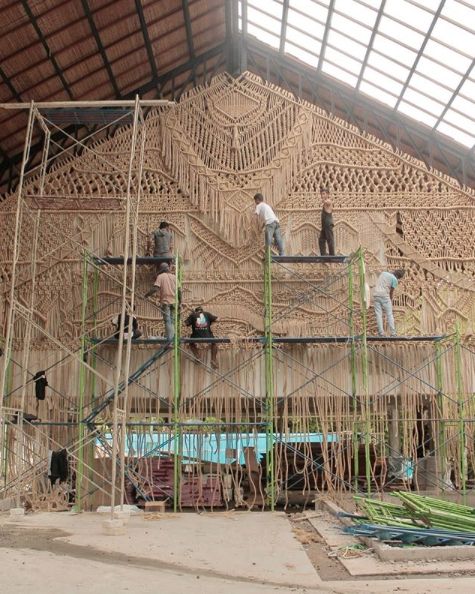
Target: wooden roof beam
point(146, 38)
point(46, 47)
point(10, 86)
point(100, 47)
point(189, 35)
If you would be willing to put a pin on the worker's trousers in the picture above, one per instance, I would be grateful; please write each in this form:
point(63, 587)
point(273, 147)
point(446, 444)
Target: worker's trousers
point(326, 237)
point(272, 233)
point(168, 313)
point(383, 304)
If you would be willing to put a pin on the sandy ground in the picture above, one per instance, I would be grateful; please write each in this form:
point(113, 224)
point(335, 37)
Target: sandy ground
point(210, 553)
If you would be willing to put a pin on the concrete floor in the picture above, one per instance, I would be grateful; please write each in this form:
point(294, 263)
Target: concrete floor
point(232, 553)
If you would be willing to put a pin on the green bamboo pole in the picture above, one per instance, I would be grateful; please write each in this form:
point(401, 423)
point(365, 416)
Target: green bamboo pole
point(82, 385)
point(177, 432)
point(364, 367)
point(354, 404)
point(461, 407)
point(4, 425)
point(440, 410)
point(269, 378)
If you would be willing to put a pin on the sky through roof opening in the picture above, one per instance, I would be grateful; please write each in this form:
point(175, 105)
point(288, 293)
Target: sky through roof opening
point(415, 56)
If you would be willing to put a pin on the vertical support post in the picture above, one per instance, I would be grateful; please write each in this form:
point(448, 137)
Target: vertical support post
point(461, 408)
point(15, 258)
point(82, 384)
point(120, 346)
point(354, 400)
point(442, 458)
point(93, 364)
point(269, 377)
point(364, 368)
point(177, 445)
point(133, 222)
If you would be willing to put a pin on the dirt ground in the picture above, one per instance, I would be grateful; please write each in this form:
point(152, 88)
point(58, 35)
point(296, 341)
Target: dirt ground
point(214, 553)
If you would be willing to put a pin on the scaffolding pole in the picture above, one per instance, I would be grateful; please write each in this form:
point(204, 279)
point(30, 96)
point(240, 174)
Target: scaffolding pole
point(127, 241)
point(364, 368)
point(439, 383)
point(269, 381)
point(82, 384)
point(354, 371)
point(177, 431)
point(460, 408)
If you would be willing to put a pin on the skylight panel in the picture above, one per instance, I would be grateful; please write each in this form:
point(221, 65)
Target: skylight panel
point(357, 11)
point(347, 26)
point(263, 35)
point(417, 114)
point(301, 54)
point(342, 60)
point(446, 55)
point(313, 10)
point(272, 8)
point(263, 19)
point(382, 80)
point(414, 16)
point(302, 39)
point(340, 73)
point(464, 105)
point(468, 89)
point(393, 49)
point(357, 50)
point(459, 12)
point(420, 83)
point(431, 105)
point(437, 72)
point(456, 134)
point(430, 5)
point(388, 65)
point(299, 24)
point(377, 93)
point(455, 37)
point(460, 121)
point(399, 31)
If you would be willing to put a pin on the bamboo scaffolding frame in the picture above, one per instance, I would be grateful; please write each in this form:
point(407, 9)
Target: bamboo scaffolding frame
point(349, 410)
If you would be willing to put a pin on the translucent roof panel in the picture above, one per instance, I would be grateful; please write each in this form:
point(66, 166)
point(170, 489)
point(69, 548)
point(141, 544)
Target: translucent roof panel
point(415, 56)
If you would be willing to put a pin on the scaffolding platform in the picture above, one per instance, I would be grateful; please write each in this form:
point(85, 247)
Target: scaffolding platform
point(348, 339)
point(119, 260)
point(415, 338)
point(160, 340)
point(310, 259)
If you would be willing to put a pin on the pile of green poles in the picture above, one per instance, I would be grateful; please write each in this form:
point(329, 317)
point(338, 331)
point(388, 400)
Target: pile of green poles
point(417, 510)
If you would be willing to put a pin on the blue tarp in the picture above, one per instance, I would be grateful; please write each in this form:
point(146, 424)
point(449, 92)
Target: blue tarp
point(221, 448)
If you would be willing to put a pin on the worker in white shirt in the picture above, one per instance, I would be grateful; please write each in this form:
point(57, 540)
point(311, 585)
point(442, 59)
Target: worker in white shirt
point(270, 223)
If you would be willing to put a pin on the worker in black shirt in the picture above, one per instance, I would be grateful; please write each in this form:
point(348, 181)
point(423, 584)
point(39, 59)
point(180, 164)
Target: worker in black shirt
point(136, 333)
point(326, 233)
point(200, 322)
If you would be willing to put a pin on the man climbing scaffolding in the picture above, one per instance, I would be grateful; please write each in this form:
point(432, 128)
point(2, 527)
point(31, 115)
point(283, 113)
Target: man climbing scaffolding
point(326, 234)
point(383, 296)
point(165, 285)
point(270, 223)
point(163, 242)
point(200, 322)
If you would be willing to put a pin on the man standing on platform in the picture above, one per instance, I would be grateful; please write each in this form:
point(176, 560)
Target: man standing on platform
point(326, 233)
point(383, 296)
point(163, 241)
point(269, 222)
point(200, 322)
point(165, 285)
